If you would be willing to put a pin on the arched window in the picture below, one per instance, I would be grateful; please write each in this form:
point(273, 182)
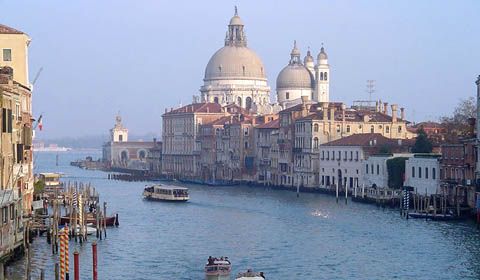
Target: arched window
point(215, 99)
point(248, 103)
point(348, 129)
point(315, 143)
point(321, 76)
point(239, 101)
point(400, 129)
point(315, 127)
point(325, 76)
point(387, 129)
point(372, 129)
point(124, 155)
point(287, 95)
point(142, 154)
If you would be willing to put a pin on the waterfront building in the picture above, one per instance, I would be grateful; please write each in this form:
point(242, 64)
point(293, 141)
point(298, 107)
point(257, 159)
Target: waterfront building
point(267, 152)
point(321, 123)
point(181, 145)
point(422, 173)
point(305, 79)
point(14, 53)
point(342, 162)
point(457, 170)
point(235, 74)
point(376, 174)
point(121, 154)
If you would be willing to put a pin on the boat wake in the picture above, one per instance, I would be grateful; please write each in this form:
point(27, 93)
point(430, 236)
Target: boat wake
point(318, 213)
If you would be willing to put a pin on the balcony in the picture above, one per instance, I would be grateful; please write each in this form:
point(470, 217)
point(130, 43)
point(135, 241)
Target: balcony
point(297, 150)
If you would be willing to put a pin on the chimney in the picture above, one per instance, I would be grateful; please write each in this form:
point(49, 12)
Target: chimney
point(394, 113)
point(402, 113)
point(304, 99)
point(343, 112)
point(366, 118)
point(325, 111)
point(385, 108)
point(332, 113)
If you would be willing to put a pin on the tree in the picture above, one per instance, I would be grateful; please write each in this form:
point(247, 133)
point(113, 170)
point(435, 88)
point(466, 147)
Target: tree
point(422, 143)
point(396, 172)
point(458, 125)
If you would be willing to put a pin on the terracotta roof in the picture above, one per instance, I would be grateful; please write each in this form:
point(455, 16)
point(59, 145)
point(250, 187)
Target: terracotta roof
point(8, 30)
point(270, 125)
point(198, 108)
point(429, 124)
point(367, 139)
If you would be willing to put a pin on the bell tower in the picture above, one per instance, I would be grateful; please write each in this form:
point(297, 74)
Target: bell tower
point(118, 133)
point(322, 78)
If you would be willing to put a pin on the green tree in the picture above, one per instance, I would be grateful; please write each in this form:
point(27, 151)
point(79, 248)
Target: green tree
point(422, 143)
point(38, 187)
point(396, 172)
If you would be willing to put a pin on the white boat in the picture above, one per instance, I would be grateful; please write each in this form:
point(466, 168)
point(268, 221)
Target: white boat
point(217, 269)
point(166, 193)
point(250, 275)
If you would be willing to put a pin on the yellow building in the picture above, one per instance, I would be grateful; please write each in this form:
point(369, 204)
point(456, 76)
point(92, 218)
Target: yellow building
point(14, 53)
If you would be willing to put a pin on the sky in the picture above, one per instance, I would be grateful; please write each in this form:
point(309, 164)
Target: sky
point(141, 57)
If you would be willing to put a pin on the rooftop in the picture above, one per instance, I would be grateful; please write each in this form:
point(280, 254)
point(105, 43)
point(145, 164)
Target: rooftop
point(8, 30)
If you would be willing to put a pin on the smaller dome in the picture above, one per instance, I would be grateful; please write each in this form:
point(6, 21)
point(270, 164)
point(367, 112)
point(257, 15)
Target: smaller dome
point(295, 76)
point(236, 20)
point(322, 55)
point(308, 58)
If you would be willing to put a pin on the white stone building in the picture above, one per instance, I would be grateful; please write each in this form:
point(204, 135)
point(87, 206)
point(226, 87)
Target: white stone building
point(305, 79)
point(236, 75)
point(422, 172)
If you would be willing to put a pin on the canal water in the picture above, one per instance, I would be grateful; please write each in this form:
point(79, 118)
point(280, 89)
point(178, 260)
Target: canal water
point(310, 237)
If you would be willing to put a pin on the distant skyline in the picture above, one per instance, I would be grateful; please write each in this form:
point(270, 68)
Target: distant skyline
point(140, 57)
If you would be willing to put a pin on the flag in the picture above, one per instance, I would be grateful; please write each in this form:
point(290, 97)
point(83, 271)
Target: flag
point(39, 123)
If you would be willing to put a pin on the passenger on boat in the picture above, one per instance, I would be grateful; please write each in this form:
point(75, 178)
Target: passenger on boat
point(210, 260)
point(261, 275)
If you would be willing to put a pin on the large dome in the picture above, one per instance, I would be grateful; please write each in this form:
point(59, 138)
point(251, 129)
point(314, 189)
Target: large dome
point(295, 76)
point(237, 62)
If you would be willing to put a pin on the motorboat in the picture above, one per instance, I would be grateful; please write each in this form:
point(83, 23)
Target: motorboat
point(166, 193)
point(250, 275)
point(217, 269)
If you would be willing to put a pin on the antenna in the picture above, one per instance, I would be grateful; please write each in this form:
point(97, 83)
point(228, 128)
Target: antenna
point(370, 88)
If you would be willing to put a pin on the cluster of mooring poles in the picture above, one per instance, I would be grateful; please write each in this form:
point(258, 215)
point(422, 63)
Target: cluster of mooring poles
point(76, 213)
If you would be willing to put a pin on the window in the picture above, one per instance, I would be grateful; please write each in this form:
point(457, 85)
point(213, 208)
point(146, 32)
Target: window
point(356, 156)
point(348, 129)
point(325, 76)
point(5, 215)
point(287, 95)
point(371, 168)
point(315, 143)
point(246, 145)
point(426, 172)
point(366, 168)
point(387, 129)
point(321, 76)
point(351, 155)
point(413, 171)
point(338, 128)
point(372, 129)
point(378, 169)
point(315, 127)
point(419, 172)
point(339, 155)
point(7, 55)
point(345, 155)
point(215, 99)
point(323, 155)
point(399, 129)
point(434, 175)
point(239, 101)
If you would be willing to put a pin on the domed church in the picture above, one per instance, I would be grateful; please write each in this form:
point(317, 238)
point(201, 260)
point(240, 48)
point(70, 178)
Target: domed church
point(299, 79)
point(236, 75)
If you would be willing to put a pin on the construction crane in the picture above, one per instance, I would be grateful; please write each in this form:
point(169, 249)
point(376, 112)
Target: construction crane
point(37, 75)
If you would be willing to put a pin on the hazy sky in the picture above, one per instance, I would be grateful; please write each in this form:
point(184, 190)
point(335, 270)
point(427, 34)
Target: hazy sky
point(140, 57)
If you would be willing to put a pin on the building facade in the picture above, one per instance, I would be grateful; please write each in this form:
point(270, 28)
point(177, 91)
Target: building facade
point(422, 172)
